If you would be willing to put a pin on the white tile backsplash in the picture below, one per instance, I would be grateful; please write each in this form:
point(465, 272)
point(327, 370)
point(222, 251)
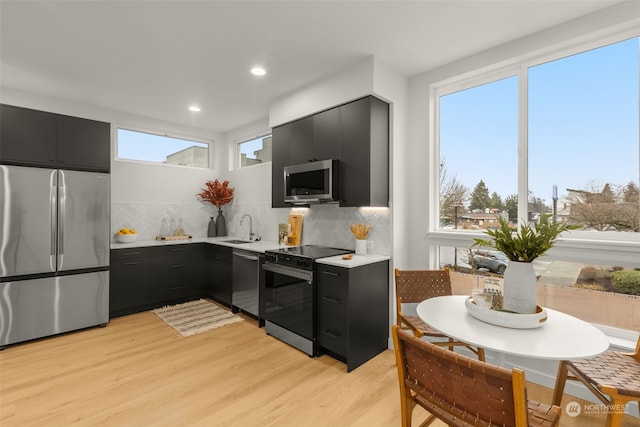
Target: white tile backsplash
point(325, 224)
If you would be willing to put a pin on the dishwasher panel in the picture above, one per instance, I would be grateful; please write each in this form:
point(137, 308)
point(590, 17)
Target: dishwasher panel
point(246, 277)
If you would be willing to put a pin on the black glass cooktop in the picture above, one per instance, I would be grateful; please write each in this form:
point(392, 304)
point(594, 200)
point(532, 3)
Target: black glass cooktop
point(311, 251)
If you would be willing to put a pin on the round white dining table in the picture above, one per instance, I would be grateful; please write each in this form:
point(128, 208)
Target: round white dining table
point(561, 336)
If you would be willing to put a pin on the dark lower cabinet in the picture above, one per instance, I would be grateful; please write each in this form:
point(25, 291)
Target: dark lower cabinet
point(353, 312)
point(129, 281)
point(218, 273)
point(176, 273)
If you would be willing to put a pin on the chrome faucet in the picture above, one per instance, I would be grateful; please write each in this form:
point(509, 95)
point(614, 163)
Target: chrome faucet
point(251, 233)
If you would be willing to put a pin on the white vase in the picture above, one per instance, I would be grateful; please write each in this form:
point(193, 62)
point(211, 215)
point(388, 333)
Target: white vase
point(520, 288)
point(361, 247)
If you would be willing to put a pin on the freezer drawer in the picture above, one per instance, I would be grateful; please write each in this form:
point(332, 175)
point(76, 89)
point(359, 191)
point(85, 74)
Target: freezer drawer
point(37, 308)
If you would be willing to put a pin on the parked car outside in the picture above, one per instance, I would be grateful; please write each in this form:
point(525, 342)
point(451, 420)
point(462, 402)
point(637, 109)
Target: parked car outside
point(494, 261)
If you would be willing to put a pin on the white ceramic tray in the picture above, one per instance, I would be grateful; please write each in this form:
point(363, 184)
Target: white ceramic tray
point(505, 318)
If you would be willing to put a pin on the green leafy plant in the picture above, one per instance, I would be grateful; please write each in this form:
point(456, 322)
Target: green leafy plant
point(527, 242)
point(626, 281)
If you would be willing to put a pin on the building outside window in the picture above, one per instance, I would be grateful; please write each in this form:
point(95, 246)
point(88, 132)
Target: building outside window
point(557, 135)
point(162, 149)
point(254, 151)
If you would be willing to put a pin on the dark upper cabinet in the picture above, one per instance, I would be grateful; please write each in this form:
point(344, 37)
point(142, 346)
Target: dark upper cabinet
point(364, 153)
point(83, 143)
point(27, 136)
point(37, 138)
point(280, 137)
point(301, 141)
point(326, 135)
point(356, 133)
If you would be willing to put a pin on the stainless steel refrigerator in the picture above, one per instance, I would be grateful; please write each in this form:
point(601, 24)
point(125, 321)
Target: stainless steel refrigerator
point(54, 251)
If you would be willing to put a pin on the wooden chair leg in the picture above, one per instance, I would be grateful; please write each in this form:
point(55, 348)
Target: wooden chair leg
point(407, 405)
point(614, 416)
point(561, 379)
point(481, 354)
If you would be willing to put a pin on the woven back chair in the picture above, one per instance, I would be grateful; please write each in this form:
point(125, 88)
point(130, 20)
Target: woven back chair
point(462, 391)
point(413, 286)
point(614, 378)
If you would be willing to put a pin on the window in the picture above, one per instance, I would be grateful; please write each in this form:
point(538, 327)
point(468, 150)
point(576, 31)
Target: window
point(479, 153)
point(555, 135)
point(254, 151)
point(149, 147)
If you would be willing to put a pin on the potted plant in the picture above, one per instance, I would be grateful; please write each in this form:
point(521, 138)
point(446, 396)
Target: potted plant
point(522, 245)
point(218, 194)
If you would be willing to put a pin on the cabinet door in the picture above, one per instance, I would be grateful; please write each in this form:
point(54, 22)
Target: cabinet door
point(217, 273)
point(301, 141)
point(326, 135)
point(83, 144)
point(27, 136)
point(355, 153)
point(280, 158)
point(333, 306)
point(128, 281)
point(176, 273)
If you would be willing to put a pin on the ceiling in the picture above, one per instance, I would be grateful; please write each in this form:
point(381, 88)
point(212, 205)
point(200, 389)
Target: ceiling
point(155, 58)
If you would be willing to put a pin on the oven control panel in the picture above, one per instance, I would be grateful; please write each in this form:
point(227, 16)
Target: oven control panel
point(289, 260)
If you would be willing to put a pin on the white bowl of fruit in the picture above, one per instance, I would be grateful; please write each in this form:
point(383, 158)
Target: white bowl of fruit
point(126, 235)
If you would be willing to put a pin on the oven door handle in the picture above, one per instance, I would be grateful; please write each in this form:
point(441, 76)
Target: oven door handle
point(288, 271)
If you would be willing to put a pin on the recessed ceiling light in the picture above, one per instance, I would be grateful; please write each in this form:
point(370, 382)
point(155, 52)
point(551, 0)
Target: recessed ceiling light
point(258, 71)
point(194, 108)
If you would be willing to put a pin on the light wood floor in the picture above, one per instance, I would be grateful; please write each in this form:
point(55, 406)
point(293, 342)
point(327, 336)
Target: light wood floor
point(138, 371)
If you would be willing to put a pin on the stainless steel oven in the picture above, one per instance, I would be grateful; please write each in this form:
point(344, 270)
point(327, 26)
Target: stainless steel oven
point(288, 295)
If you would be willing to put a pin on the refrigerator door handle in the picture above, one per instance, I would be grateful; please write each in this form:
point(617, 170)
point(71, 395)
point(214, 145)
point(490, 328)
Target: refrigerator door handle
point(53, 201)
point(62, 208)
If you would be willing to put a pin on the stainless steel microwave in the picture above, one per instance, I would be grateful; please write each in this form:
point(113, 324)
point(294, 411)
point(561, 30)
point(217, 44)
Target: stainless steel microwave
point(313, 182)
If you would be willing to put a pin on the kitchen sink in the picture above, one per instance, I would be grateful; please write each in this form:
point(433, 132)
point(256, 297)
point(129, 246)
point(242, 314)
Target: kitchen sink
point(236, 241)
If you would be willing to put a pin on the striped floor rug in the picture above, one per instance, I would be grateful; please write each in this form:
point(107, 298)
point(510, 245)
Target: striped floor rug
point(195, 316)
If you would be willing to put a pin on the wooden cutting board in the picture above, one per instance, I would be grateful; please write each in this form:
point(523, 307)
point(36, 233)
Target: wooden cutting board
point(295, 235)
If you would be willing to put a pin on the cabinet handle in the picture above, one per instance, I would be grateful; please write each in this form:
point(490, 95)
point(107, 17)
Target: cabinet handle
point(131, 253)
point(330, 273)
point(133, 263)
point(177, 266)
point(177, 249)
point(332, 300)
point(331, 334)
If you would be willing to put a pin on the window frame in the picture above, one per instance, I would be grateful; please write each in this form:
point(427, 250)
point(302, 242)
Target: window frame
point(238, 153)
point(615, 248)
point(209, 144)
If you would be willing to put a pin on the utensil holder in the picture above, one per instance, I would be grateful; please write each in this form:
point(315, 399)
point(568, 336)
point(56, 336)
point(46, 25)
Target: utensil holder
point(361, 247)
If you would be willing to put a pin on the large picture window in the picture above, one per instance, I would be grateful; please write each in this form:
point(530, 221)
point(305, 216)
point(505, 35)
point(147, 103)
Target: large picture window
point(557, 135)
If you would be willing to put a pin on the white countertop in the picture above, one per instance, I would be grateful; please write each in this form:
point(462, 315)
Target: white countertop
point(356, 261)
point(259, 246)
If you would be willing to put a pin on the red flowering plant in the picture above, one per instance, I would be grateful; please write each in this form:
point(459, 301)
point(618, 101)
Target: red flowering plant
point(217, 193)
